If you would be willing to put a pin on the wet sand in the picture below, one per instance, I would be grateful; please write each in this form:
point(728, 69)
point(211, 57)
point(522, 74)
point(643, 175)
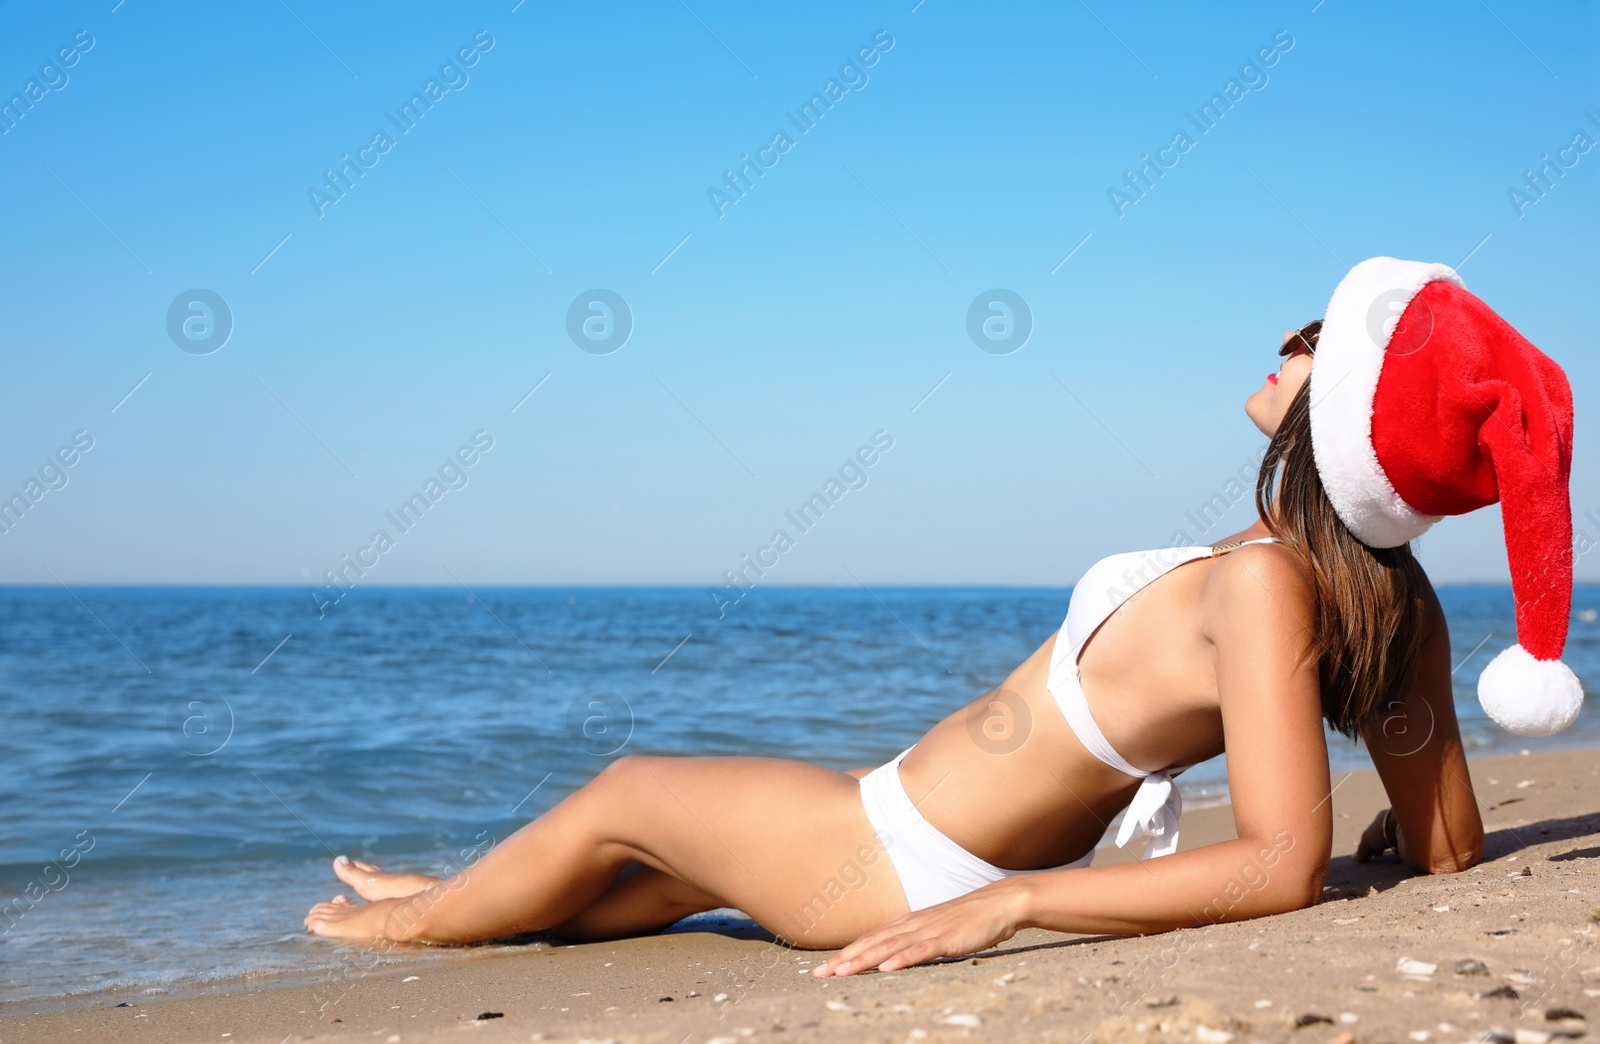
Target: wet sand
point(1388, 955)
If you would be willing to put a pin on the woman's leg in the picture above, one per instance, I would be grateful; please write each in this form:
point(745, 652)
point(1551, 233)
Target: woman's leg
point(641, 900)
point(370, 882)
point(786, 842)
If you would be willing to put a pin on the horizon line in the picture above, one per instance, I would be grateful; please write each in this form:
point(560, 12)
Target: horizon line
point(274, 585)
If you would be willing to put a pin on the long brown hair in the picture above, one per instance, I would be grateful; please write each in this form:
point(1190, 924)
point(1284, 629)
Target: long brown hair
point(1370, 603)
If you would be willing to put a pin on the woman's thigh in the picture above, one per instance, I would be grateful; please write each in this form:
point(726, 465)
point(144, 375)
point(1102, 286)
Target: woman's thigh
point(786, 842)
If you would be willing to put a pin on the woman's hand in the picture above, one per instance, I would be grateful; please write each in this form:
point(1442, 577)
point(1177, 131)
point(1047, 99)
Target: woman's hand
point(1378, 838)
point(976, 921)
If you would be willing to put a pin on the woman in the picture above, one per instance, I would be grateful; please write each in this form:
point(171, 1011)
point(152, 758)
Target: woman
point(1166, 658)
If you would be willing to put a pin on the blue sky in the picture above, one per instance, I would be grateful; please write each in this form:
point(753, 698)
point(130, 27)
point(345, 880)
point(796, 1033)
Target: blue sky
point(373, 336)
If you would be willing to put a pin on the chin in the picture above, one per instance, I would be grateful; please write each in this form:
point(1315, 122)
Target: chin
point(1256, 411)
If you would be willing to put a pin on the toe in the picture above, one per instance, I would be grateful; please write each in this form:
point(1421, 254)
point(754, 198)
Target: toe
point(356, 874)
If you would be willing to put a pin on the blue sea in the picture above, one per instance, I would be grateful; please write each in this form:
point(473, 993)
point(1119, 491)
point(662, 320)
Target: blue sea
point(182, 764)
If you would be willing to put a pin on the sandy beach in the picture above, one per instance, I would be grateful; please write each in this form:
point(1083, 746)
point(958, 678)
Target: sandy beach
point(1388, 955)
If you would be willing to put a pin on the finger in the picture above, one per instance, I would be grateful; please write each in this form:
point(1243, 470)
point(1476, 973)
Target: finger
point(852, 951)
point(831, 965)
point(918, 952)
point(851, 958)
point(874, 955)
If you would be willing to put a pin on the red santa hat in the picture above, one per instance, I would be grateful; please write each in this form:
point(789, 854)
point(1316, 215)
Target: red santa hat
point(1425, 403)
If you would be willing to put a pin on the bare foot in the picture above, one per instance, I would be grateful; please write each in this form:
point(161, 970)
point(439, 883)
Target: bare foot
point(352, 922)
point(371, 883)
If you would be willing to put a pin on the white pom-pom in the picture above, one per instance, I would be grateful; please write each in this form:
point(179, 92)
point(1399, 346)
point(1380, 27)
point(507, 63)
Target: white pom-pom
point(1527, 696)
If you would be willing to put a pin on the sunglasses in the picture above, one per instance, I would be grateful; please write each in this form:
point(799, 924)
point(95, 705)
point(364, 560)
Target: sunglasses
point(1305, 337)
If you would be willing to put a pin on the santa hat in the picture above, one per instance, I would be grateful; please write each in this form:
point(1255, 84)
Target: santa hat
point(1425, 403)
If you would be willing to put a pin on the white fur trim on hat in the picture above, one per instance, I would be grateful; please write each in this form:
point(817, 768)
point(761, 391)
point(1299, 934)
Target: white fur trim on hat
point(1350, 350)
point(1527, 696)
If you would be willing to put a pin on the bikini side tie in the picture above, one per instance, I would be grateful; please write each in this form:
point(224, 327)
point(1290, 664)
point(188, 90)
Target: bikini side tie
point(1154, 811)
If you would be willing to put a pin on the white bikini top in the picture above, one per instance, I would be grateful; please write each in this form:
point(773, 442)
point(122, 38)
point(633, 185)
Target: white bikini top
point(1111, 581)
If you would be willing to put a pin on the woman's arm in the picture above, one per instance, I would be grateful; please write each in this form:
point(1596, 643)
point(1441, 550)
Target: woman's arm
point(1416, 746)
point(1258, 612)
point(1230, 880)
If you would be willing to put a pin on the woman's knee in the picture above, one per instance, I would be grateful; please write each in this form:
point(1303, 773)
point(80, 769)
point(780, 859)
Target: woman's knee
point(616, 804)
point(628, 771)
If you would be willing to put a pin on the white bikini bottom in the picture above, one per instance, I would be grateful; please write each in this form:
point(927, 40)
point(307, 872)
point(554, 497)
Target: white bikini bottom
point(933, 869)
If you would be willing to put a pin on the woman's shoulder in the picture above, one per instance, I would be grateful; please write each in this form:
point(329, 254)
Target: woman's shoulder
point(1255, 585)
point(1274, 565)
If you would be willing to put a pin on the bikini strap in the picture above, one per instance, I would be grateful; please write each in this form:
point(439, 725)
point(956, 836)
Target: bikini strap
point(1233, 545)
point(1065, 685)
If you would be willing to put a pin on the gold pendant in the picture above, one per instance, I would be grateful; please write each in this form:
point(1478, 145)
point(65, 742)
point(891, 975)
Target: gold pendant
point(1226, 546)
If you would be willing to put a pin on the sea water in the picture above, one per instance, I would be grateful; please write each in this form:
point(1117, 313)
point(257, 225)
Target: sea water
point(182, 764)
